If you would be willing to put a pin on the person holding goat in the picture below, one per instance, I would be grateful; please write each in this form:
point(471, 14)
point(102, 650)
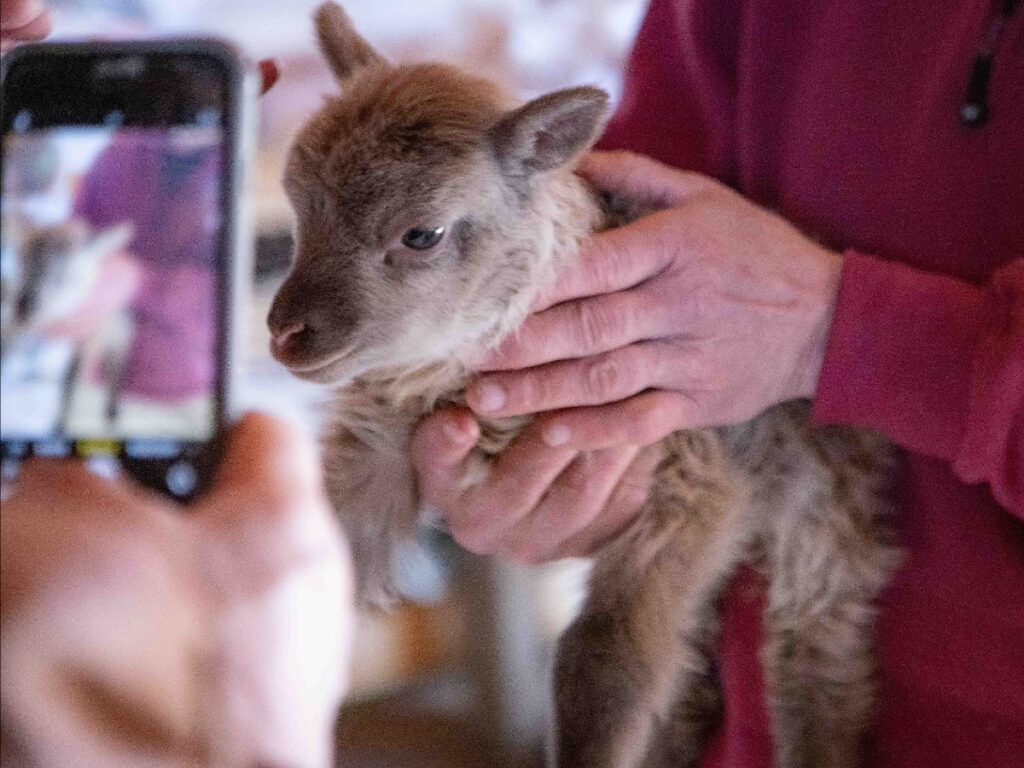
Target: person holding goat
point(888, 133)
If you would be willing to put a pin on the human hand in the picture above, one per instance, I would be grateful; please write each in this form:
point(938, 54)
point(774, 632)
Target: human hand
point(539, 502)
point(23, 20)
point(138, 633)
point(30, 20)
point(704, 313)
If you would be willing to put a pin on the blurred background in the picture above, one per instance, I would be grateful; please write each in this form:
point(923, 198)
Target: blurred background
point(459, 675)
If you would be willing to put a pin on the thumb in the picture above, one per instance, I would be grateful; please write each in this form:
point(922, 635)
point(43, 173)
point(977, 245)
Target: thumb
point(267, 504)
point(438, 447)
point(269, 459)
point(277, 568)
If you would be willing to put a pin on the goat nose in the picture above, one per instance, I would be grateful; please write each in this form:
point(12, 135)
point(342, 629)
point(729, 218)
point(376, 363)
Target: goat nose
point(281, 335)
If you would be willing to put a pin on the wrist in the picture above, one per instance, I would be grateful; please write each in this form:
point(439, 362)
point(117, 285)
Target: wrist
point(823, 292)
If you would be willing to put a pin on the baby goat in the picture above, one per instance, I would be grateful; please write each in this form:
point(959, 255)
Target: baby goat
point(431, 209)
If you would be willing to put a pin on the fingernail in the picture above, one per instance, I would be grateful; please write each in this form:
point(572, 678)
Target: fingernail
point(556, 435)
point(456, 431)
point(489, 397)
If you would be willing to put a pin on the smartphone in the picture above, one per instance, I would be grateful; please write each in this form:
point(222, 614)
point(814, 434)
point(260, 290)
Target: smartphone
point(124, 254)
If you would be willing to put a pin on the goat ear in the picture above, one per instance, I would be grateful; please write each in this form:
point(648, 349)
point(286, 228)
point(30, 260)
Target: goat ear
point(345, 49)
point(549, 131)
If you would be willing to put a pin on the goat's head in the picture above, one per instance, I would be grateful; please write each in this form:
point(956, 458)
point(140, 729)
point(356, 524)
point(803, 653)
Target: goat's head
point(417, 201)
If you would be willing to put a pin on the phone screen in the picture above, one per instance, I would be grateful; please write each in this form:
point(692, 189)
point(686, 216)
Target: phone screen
point(113, 259)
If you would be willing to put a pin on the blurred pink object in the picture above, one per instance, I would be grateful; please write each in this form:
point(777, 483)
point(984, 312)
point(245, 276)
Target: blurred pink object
point(118, 279)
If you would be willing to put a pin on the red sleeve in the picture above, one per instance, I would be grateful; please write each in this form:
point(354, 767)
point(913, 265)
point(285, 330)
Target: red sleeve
point(936, 364)
point(678, 103)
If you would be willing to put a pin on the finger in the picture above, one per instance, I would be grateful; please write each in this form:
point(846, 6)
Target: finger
point(624, 503)
point(34, 28)
point(518, 480)
point(617, 259)
point(63, 486)
point(642, 179)
point(277, 570)
point(613, 260)
point(19, 13)
point(60, 512)
point(584, 327)
point(571, 504)
point(269, 73)
point(438, 447)
point(266, 514)
point(118, 628)
point(271, 460)
point(51, 474)
point(639, 420)
point(594, 380)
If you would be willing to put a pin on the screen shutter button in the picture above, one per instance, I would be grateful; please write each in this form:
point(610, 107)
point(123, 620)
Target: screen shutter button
point(181, 478)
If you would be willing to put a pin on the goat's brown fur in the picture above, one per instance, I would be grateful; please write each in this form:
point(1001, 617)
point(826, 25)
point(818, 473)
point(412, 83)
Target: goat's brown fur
point(388, 329)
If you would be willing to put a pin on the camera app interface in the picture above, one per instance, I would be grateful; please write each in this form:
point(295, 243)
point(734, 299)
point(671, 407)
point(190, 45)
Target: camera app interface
point(109, 323)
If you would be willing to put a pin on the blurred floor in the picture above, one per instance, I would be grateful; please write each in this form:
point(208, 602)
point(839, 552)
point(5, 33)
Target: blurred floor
point(425, 724)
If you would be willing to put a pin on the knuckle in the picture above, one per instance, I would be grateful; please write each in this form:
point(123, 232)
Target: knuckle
point(602, 263)
point(596, 325)
point(698, 305)
point(510, 350)
point(604, 378)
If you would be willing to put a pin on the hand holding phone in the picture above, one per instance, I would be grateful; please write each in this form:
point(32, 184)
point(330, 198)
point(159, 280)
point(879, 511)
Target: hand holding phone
point(154, 625)
point(122, 255)
point(23, 20)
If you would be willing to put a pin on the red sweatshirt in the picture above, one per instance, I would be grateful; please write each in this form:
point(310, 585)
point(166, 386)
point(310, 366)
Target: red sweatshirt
point(843, 115)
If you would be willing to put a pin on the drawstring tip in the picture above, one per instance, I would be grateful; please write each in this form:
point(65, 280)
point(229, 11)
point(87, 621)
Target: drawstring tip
point(972, 113)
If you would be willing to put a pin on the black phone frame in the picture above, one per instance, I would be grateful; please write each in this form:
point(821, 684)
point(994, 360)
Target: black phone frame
point(232, 263)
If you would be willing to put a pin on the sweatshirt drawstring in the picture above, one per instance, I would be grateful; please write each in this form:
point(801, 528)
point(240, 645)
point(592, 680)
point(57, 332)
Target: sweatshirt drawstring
point(974, 109)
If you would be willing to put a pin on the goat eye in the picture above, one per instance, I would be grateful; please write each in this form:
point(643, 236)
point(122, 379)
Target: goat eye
point(422, 238)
